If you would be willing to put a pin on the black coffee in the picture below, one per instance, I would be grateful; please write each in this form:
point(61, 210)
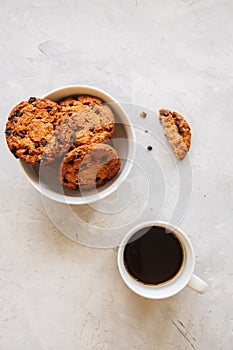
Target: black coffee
point(153, 255)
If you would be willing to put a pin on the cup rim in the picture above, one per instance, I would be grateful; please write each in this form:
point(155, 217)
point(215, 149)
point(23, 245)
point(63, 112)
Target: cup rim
point(160, 291)
point(73, 200)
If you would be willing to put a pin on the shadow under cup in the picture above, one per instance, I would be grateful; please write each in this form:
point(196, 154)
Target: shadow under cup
point(156, 260)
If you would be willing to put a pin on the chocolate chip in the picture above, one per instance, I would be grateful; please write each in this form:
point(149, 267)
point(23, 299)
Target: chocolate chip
point(165, 113)
point(43, 142)
point(149, 148)
point(77, 187)
point(14, 119)
point(92, 128)
point(13, 149)
point(15, 134)
point(37, 160)
point(103, 159)
point(71, 162)
point(71, 104)
point(86, 121)
point(15, 155)
point(177, 122)
point(78, 155)
point(32, 99)
point(97, 179)
point(37, 144)
point(143, 114)
point(70, 114)
point(26, 152)
point(8, 132)
point(180, 130)
point(97, 112)
point(44, 158)
point(105, 180)
point(22, 134)
point(173, 115)
point(19, 114)
point(49, 109)
point(65, 180)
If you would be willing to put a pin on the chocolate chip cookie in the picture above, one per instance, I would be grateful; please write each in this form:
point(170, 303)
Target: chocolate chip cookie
point(89, 166)
point(91, 112)
point(87, 125)
point(177, 131)
point(29, 128)
point(94, 120)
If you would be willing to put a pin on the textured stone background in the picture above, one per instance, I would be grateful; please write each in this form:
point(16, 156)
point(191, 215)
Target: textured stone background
point(56, 294)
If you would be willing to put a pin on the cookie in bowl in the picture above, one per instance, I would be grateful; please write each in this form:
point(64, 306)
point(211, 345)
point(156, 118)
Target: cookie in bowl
point(30, 127)
point(85, 125)
point(89, 166)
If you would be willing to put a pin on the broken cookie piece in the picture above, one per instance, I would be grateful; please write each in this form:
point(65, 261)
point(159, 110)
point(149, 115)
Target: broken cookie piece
point(177, 131)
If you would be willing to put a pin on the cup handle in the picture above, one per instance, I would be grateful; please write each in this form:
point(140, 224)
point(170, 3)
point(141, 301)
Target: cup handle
point(197, 284)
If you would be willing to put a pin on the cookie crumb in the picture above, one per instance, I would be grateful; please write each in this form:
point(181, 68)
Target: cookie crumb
point(143, 114)
point(149, 148)
point(146, 131)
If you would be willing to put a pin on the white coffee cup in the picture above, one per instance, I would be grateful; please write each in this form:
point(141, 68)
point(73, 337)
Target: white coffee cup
point(185, 276)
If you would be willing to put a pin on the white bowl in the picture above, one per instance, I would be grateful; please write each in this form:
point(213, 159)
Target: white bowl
point(123, 141)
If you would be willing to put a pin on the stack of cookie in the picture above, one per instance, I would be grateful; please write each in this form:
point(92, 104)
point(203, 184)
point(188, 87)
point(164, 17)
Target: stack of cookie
point(72, 132)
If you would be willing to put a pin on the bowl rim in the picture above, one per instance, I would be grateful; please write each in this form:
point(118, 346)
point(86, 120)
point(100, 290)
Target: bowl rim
point(73, 200)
